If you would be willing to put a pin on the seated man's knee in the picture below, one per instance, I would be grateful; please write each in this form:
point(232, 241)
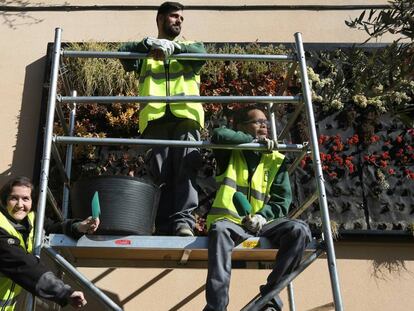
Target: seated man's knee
point(300, 230)
point(219, 228)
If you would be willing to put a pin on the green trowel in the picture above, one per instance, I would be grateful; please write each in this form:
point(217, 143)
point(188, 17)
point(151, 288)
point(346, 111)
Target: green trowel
point(96, 208)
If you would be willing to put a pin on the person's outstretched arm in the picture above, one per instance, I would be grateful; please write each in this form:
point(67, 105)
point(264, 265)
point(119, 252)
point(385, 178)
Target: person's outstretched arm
point(27, 271)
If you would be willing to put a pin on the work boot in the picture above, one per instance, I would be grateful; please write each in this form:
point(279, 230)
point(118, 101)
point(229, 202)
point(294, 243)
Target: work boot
point(275, 304)
point(183, 230)
point(270, 307)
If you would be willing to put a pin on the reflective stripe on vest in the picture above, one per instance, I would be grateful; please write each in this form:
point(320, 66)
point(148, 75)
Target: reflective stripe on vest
point(9, 290)
point(7, 305)
point(182, 82)
point(8, 301)
point(236, 178)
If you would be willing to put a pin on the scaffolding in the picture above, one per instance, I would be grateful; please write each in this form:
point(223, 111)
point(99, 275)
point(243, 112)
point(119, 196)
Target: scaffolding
point(170, 251)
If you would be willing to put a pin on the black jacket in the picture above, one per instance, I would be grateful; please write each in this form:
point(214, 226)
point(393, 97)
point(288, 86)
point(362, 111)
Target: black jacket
point(26, 269)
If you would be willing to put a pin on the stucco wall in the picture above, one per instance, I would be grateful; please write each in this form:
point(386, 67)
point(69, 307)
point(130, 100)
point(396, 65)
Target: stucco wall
point(373, 277)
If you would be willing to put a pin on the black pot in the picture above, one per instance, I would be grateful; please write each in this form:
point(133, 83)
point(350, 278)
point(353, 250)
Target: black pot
point(128, 204)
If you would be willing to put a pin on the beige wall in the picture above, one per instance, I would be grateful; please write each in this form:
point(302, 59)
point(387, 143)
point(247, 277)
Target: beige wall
point(373, 278)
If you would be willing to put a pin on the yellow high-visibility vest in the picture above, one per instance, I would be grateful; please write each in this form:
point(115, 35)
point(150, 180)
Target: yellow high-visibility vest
point(236, 178)
point(9, 291)
point(178, 80)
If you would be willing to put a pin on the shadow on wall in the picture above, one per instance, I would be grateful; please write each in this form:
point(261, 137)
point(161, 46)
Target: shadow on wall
point(15, 19)
point(26, 154)
point(385, 269)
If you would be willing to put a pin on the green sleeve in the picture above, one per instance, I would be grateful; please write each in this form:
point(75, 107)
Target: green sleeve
point(225, 136)
point(280, 196)
point(192, 47)
point(137, 47)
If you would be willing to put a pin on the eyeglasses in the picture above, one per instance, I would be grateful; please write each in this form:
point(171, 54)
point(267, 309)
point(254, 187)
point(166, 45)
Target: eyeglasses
point(259, 122)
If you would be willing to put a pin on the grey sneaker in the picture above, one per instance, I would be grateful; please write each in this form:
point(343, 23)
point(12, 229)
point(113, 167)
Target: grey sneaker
point(184, 231)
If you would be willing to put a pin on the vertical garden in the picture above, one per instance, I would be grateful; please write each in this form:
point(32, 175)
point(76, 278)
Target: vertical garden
point(363, 101)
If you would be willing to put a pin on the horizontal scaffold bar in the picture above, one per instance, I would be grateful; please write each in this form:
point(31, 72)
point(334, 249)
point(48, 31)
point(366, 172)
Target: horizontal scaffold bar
point(171, 143)
point(175, 99)
point(183, 56)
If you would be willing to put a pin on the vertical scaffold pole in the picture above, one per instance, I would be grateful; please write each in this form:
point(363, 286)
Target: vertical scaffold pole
point(291, 297)
point(68, 160)
point(47, 146)
point(326, 224)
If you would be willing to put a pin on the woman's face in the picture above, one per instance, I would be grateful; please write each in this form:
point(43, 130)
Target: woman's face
point(19, 202)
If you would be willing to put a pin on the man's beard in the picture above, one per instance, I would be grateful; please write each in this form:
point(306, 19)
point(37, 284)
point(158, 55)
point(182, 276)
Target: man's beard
point(172, 30)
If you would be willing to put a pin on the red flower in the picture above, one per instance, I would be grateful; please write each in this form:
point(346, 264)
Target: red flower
point(409, 173)
point(350, 165)
point(338, 159)
point(371, 159)
point(323, 139)
point(333, 174)
point(374, 139)
point(399, 153)
point(383, 163)
point(302, 163)
point(391, 171)
point(353, 140)
point(385, 155)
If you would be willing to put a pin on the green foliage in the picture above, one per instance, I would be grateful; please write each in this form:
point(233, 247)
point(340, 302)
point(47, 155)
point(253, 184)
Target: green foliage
point(355, 79)
point(379, 79)
point(98, 76)
point(390, 72)
point(398, 19)
point(248, 78)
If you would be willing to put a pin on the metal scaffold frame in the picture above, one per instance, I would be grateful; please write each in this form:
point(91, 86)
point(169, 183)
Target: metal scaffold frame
point(183, 247)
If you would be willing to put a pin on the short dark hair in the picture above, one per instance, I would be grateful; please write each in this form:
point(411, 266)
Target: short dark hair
point(242, 115)
point(8, 187)
point(168, 7)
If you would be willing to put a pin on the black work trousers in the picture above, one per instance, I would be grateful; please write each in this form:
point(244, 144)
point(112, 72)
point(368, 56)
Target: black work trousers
point(175, 170)
point(289, 236)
